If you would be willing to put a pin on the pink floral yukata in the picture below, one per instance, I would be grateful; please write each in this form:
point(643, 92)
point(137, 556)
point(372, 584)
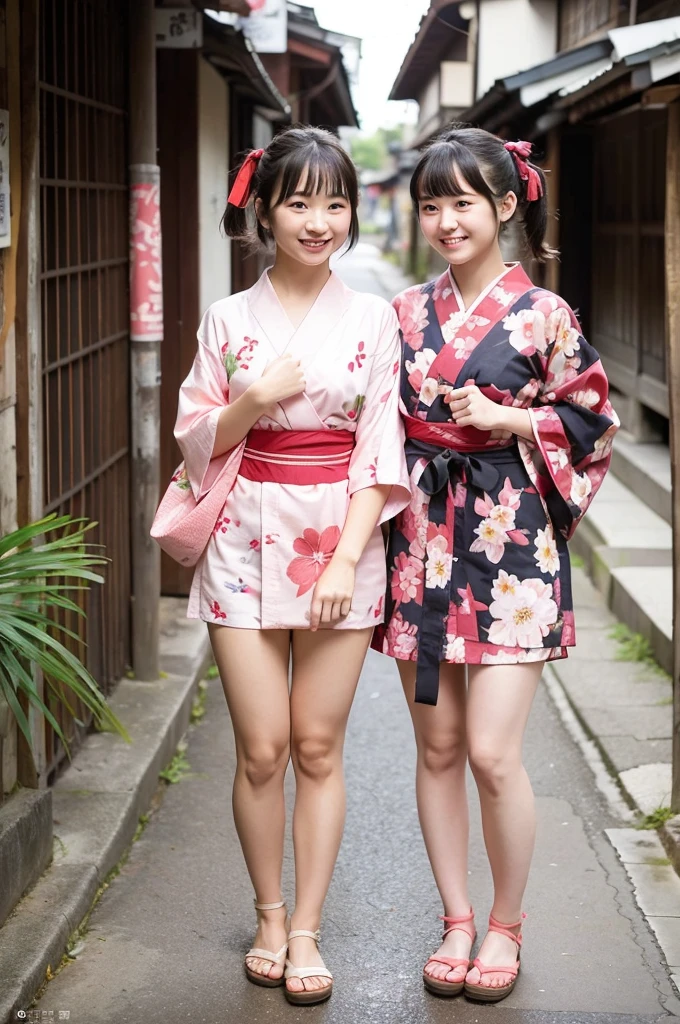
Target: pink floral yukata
point(478, 564)
point(273, 539)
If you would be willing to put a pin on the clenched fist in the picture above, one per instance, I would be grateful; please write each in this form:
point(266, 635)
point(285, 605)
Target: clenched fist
point(282, 379)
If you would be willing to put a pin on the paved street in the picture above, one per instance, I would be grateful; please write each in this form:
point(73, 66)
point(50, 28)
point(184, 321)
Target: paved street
point(167, 940)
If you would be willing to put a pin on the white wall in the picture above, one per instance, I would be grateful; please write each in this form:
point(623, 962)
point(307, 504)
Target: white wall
point(213, 174)
point(514, 35)
point(429, 100)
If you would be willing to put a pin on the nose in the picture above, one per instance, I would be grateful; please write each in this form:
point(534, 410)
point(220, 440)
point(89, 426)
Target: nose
point(448, 220)
point(316, 222)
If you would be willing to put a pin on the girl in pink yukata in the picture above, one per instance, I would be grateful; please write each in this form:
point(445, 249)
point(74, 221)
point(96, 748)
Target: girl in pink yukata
point(299, 376)
point(509, 431)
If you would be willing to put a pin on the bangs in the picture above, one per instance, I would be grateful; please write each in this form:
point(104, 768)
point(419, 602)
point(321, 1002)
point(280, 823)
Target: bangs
point(448, 169)
point(312, 170)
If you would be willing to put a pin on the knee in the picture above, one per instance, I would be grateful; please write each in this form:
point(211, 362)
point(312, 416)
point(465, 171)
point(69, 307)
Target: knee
point(315, 756)
point(493, 769)
point(265, 762)
point(441, 754)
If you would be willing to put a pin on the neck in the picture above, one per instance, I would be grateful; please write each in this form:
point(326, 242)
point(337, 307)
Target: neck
point(473, 277)
point(289, 277)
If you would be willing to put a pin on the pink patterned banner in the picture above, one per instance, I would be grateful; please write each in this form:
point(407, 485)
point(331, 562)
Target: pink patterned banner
point(146, 282)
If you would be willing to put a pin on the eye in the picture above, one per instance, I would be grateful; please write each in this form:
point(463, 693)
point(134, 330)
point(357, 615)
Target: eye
point(337, 206)
point(428, 208)
point(297, 204)
point(462, 204)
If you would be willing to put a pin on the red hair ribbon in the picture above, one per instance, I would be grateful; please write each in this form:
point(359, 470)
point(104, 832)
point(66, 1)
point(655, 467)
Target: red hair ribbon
point(240, 190)
point(519, 152)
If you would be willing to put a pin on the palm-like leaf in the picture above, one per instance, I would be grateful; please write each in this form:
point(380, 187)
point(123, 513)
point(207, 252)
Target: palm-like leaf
point(35, 562)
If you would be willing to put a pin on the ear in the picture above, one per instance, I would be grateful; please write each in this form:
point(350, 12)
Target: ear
point(259, 213)
point(507, 207)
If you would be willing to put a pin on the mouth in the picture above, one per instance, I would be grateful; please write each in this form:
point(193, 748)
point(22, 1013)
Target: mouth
point(314, 245)
point(453, 243)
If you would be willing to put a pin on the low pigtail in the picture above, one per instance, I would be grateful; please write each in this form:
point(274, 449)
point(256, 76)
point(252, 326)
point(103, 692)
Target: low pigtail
point(535, 219)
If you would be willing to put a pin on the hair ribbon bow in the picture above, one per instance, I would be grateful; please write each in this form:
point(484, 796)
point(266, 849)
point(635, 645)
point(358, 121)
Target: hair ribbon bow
point(520, 151)
point(240, 190)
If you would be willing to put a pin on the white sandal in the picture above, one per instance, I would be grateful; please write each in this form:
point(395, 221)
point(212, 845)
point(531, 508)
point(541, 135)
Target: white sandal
point(305, 998)
point(264, 954)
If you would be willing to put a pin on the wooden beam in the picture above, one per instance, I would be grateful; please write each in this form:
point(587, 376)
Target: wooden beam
point(313, 53)
point(672, 259)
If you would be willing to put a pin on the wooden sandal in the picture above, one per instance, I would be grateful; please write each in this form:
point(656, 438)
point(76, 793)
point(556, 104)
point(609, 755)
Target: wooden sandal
point(450, 988)
point(264, 954)
point(483, 993)
point(305, 998)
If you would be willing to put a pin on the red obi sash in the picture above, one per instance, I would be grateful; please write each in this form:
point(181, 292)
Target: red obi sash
point(446, 435)
point(297, 456)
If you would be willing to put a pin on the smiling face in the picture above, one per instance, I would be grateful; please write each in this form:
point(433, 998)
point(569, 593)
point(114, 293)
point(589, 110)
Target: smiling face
point(464, 227)
point(310, 216)
point(309, 228)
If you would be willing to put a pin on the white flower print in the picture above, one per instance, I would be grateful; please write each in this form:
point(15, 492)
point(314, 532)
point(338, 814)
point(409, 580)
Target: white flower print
point(500, 296)
point(588, 398)
point(422, 361)
point(527, 331)
point(546, 554)
point(504, 515)
point(438, 565)
point(452, 325)
point(429, 391)
point(455, 649)
point(518, 658)
point(491, 539)
point(523, 618)
point(581, 487)
point(504, 585)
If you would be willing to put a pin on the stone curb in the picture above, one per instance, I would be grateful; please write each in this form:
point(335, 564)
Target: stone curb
point(97, 804)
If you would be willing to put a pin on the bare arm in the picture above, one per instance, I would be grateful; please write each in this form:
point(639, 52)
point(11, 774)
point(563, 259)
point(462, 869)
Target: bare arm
point(332, 598)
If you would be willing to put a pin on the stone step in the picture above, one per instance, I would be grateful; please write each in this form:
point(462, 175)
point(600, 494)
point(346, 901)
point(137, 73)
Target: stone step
point(646, 470)
point(627, 548)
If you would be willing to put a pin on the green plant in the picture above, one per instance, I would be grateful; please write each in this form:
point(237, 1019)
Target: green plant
point(178, 768)
point(36, 573)
point(656, 819)
point(635, 647)
point(198, 704)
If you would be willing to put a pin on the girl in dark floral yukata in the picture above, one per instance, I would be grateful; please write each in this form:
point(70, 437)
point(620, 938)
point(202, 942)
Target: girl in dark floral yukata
point(509, 430)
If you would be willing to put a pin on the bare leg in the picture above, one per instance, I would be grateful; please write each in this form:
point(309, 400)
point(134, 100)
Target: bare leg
point(442, 801)
point(499, 702)
point(253, 666)
point(326, 668)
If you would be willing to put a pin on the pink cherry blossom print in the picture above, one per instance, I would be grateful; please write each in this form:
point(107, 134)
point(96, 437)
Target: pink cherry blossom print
point(217, 612)
point(413, 318)
point(359, 358)
point(315, 552)
point(407, 579)
point(402, 637)
point(491, 539)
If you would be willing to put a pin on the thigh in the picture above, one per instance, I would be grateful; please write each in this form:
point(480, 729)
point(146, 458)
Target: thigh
point(253, 667)
point(499, 702)
point(444, 725)
point(326, 669)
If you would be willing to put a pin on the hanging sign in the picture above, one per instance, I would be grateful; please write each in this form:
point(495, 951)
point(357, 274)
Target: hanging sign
point(178, 29)
point(146, 284)
point(267, 26)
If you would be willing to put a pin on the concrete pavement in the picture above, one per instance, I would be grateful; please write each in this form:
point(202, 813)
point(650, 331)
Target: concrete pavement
point(166, 942)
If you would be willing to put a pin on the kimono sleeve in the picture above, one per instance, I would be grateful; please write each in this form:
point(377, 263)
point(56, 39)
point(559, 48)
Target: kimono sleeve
point(378, 456)
point(202, 396)
point(573, 420)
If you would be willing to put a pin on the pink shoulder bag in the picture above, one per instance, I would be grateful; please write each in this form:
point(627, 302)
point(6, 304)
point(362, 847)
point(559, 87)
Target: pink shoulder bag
point(183, 526)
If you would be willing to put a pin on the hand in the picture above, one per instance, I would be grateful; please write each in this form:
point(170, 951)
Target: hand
point(470, 408)
point(332, 597)
point(282, 379)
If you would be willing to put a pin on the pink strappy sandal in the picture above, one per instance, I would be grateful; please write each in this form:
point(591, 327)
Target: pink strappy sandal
point(257, 977)
point(483, 993)
point(450, 988)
